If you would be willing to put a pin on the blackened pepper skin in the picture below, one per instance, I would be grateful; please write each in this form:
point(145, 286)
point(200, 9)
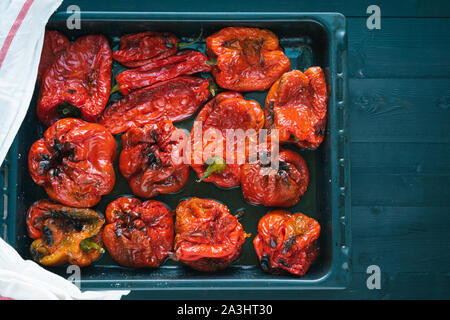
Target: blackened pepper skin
point(208, 238)
point(74, 162)
point(272, 186)
point(152, 159)
point(64, 234)
point(138, 234)
point(286, 242)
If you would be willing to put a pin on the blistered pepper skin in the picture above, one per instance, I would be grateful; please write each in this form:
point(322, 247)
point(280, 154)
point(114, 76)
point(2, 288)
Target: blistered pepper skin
point(64, 234)
point(248, 59)
point(185, 62)
point(179, 98)
point(74, 162)
point(152, 159)
point(296, 105)
point(138, 234)
point(54, 45)
point(275, 187)
point(286, 242)
point(80, 77)
point(227, 111)
point(208, 238)
point(138, 49)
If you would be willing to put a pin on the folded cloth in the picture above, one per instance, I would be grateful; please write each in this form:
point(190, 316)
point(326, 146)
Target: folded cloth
point(26, 280)
point(22, 29)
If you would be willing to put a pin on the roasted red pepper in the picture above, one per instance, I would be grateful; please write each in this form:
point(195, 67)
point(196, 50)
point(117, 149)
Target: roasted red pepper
point(138, 234)
point(78, 82)
point(179, 98)
point(185, 62)
point(64, 234)
point(152, 159)
point(296, 105)
point(272, 185)
point(228, 111)
point(73, 162)
point(208, 238)
point(138, 49)
point(286, 242)
point(248, 59)
point(54, 45)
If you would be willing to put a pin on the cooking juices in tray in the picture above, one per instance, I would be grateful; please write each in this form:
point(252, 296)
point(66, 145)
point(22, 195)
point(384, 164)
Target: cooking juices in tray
point(306, 43)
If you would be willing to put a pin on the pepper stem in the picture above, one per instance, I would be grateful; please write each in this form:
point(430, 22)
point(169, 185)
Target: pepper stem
point(114, 89)
point(212, 62)
point(182, 45)
point(215, 164)
point(88, 244)
point(67, 110)
point(213, 88)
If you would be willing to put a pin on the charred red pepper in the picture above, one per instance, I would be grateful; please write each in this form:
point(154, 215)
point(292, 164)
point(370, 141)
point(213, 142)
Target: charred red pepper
point(226, 113)
point(138, 49)
point(73, 162)
point(296, 105)
point(138, 234)
point(208, 238)
point(278, 182)
point(185, 62)
point(179, 98)
point(152, 159)
point(54, 45)
point(248, 59)
point(286, 242)
point(64, 234)
point(78, 82)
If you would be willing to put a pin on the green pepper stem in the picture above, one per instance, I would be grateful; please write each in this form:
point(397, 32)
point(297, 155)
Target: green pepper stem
point(114, 89)
point(67, 110)
point(212, 62)
point(88, 244)
point(215, 164)
point(182, 45)
point(213, 88)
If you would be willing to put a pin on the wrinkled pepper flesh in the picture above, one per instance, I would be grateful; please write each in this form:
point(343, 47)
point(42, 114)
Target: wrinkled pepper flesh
point(152, 159)
point(54, 45)
point(74, 162)
point(286, 242)
point(275, 186)
point(78, 82)
point(138, 234)
point(138, 49)
point(185, 62)
point(226, 112)
point(64, 234)
point(296, 105)
point(248, 59)
point(179, 98)
point(207, 237)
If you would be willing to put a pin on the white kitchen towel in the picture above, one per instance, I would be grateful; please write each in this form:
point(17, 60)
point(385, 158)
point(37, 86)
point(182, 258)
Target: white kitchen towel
point(26, 280)
point(22, 28)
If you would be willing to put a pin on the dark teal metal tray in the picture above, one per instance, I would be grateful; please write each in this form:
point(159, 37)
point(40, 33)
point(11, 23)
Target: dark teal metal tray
point(308, 39)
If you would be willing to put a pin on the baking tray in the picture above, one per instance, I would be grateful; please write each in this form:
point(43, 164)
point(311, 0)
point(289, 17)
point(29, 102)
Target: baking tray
point(308, 39)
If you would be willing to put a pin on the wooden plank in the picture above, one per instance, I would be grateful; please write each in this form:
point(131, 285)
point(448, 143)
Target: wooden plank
point(401, 239)
point(354, 8)
point(400, 158)
point(400, 110)
point(402, 48)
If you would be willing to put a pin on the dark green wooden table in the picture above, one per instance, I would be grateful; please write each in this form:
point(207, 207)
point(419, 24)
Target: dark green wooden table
point(400, 143)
